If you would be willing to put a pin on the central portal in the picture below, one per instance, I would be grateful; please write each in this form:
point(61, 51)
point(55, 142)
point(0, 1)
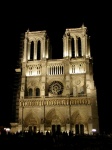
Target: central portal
point(56, 128)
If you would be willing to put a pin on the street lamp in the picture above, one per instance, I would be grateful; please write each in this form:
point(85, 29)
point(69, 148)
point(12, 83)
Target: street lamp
point(93, 131)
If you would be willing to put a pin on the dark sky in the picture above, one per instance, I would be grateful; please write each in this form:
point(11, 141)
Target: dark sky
point(55, 18)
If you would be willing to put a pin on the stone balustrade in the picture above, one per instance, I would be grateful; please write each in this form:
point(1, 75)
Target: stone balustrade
point(55, 101)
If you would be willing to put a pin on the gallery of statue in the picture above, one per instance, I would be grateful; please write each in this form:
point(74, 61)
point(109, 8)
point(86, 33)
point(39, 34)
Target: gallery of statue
point(56, 95)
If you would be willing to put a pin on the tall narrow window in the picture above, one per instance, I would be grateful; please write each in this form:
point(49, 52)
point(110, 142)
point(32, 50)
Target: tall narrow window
point(79, 47)
point(38, 50)
point(37, 92)
point(32, 51)
point(73, 48)
point(30, 92)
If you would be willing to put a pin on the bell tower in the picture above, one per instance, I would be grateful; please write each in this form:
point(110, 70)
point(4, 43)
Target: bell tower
point(57, 94)
point(75, 43)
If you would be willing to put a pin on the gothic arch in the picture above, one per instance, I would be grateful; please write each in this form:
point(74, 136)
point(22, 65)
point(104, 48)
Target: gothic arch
point(31, 119)
point(55, 117)
point(76, 117)
point(78, 122)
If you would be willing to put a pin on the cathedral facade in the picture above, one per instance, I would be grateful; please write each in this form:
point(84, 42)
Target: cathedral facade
point(57, 95)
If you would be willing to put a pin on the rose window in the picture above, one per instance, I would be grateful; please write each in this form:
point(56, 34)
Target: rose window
point(56, 88)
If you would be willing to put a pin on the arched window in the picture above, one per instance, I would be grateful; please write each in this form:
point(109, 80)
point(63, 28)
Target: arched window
point(32, 51)
point(30, 92)
point(37, 92)
point(38, 50)
point(56, 88)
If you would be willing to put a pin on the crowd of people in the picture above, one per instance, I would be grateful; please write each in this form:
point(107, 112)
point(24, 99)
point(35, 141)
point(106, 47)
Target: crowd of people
point(56, 141)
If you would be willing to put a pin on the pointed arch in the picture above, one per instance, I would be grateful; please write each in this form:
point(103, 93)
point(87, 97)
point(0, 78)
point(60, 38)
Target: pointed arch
point(31, 119)
point(38, 50)
point(54, 116)
point(73, 116)
point(32, 51)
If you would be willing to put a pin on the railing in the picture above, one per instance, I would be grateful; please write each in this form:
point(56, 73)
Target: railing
point(55, 101)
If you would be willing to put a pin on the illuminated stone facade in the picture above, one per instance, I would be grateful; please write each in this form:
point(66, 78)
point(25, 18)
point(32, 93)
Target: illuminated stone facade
point(57, 94)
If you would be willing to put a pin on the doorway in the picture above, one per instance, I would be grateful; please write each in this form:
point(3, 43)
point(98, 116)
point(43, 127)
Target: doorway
point(56, 128)
point(79, 129)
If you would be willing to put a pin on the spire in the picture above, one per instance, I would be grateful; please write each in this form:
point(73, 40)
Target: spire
point(83, 25)
point(28, 30)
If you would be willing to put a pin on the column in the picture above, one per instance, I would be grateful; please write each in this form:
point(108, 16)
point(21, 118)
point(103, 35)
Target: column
point(88, 54)
point(83, 46)
point(69, 47)
point(64, 46)
point(47, 49)
point(43, 49)
point(25, 50)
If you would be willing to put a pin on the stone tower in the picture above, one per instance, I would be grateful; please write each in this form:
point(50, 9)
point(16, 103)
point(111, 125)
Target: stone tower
point(57, 95)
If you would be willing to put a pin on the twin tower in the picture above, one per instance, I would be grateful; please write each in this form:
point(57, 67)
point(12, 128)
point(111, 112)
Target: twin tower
point(56, 95)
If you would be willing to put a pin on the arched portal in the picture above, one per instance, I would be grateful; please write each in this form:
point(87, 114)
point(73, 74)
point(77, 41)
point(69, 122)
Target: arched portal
point(55, 120)
point(31, 122)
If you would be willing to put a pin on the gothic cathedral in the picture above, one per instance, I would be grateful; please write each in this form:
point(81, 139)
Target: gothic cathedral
point(56, 95)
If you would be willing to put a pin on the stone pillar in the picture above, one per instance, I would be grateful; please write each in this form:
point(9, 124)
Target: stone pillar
point(76, 47)
point(47, 49)
point(83, 45)
point(64, 46)
point(69, 46)
point(28, 50)
point(90, 126)
point(25, 50)
point(88, 54)
point(43, 48)
point(67, 85)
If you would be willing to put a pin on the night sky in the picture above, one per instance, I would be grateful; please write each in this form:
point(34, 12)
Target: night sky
point(55, 18)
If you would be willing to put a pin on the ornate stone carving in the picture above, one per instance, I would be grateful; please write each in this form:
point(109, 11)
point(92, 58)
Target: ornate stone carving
point(56, 88)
